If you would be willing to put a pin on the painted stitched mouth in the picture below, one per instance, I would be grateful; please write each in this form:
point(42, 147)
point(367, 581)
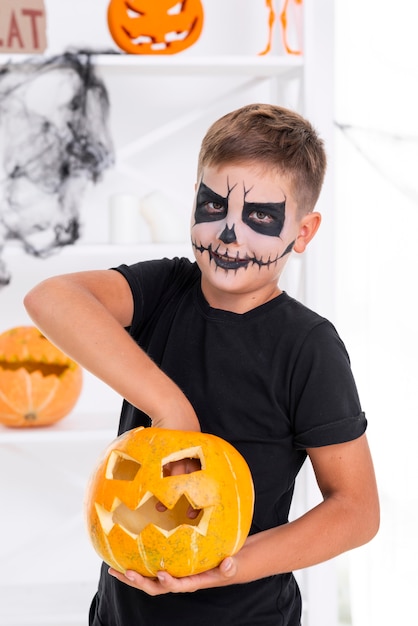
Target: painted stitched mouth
point(227, 262)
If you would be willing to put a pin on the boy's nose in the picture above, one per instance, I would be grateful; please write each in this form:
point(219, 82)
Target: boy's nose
point(228, 235)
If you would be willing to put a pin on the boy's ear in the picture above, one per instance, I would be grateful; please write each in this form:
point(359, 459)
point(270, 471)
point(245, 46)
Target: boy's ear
point(309, 224)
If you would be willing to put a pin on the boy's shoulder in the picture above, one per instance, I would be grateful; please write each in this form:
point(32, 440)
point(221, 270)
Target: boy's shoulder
point(298, 311)
point(299, 327)
point(160, 270)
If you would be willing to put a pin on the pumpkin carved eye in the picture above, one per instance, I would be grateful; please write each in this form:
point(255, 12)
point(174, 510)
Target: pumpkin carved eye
point(122, 467)
point(176, 9)
point(132, 13)
point(127, 528)
point(192, 460)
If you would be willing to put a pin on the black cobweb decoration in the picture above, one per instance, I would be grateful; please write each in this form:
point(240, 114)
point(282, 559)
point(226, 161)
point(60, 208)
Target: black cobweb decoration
point(54, 140)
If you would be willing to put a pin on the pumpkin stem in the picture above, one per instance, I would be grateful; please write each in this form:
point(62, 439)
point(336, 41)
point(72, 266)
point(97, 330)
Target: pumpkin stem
point(31, 416)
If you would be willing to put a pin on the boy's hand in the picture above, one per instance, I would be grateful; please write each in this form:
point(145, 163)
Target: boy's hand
point(164, 583)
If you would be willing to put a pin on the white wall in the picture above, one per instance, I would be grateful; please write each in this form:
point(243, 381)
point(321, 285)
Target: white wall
point(377, 261)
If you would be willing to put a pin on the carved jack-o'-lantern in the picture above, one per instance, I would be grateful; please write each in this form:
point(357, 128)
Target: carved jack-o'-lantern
point(127, 529)
point(39, 384)
point(150, 27)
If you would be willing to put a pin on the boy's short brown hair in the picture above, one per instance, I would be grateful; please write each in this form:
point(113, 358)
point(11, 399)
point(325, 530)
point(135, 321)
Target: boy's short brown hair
point(271, 136)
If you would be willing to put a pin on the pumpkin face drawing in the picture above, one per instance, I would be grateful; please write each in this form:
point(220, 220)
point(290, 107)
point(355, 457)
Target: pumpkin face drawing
point(39, 384)
point(127, 530)
point(150, 27)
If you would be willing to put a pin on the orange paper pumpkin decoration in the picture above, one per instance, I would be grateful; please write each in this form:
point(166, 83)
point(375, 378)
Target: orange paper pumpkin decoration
point(39, 384)
point(128, 531)
point(155, 27)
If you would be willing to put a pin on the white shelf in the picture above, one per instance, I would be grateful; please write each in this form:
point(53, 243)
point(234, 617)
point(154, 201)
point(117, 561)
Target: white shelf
point(211, 66)
point(73, 427)
point(141, 250)
point(42, 605)
point(285, 66)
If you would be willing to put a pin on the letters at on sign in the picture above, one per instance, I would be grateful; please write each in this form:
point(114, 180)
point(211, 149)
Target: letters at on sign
point(22, 26)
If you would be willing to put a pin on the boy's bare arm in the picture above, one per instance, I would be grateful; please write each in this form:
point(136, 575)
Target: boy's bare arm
point(85, 314)
point(347, 518)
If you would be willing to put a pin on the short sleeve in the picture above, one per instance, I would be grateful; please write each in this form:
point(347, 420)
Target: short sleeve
point(324, 399)
point(152, 284)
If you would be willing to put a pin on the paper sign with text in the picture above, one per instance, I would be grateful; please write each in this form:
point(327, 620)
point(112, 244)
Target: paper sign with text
point(22, 26)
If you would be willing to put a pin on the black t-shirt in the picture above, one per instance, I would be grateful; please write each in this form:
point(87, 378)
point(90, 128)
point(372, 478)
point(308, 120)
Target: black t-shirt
point(273, 381)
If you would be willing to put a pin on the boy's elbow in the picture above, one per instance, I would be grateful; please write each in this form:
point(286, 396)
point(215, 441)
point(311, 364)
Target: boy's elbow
point(30, 302)
point(375, 523)
point(38, 300)
point(369, 523)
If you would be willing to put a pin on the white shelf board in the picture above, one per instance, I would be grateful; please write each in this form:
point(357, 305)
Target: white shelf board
point(285, 66)
point(42, 605)
point(213, 65)
point(154, 250)
point(74, 427)
point(79, 256)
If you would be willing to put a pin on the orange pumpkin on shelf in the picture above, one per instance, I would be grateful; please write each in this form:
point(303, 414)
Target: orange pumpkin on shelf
point(150, 27)
point(129, 532)
point(39, 384)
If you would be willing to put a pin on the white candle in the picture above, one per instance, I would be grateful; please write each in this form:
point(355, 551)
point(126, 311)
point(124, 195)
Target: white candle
point(167, 224)
point(126, 224)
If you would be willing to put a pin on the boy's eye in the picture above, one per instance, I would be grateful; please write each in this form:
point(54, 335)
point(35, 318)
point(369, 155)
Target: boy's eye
point(265, 218)
point(261, 217)
point(210, 206)
point(214, 207)
point(209, 210)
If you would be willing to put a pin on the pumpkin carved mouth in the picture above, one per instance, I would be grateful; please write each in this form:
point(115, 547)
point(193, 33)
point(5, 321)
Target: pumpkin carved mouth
point(152, 43)
point(167, 522)
point(45, 369)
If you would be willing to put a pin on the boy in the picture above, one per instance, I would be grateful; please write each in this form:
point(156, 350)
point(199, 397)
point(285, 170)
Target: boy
point(216, 345)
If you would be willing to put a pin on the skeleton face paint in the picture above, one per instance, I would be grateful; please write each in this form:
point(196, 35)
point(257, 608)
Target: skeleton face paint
point(210, 206)
point(243, 227)
point(265, 218)
point(245, 223)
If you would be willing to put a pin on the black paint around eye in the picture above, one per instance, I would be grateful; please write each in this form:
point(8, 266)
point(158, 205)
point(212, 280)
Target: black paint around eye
point(276, 212)
point(204, 196)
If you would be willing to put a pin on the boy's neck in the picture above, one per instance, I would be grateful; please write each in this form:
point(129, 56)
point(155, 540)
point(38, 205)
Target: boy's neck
point(238, 302)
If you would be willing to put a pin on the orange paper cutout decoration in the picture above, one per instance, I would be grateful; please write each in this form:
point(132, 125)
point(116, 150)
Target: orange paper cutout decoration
point(155, 26)
point(288, 5)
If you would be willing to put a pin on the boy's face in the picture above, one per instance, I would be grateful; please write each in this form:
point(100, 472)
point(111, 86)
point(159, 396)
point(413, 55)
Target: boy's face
point(243, 229)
